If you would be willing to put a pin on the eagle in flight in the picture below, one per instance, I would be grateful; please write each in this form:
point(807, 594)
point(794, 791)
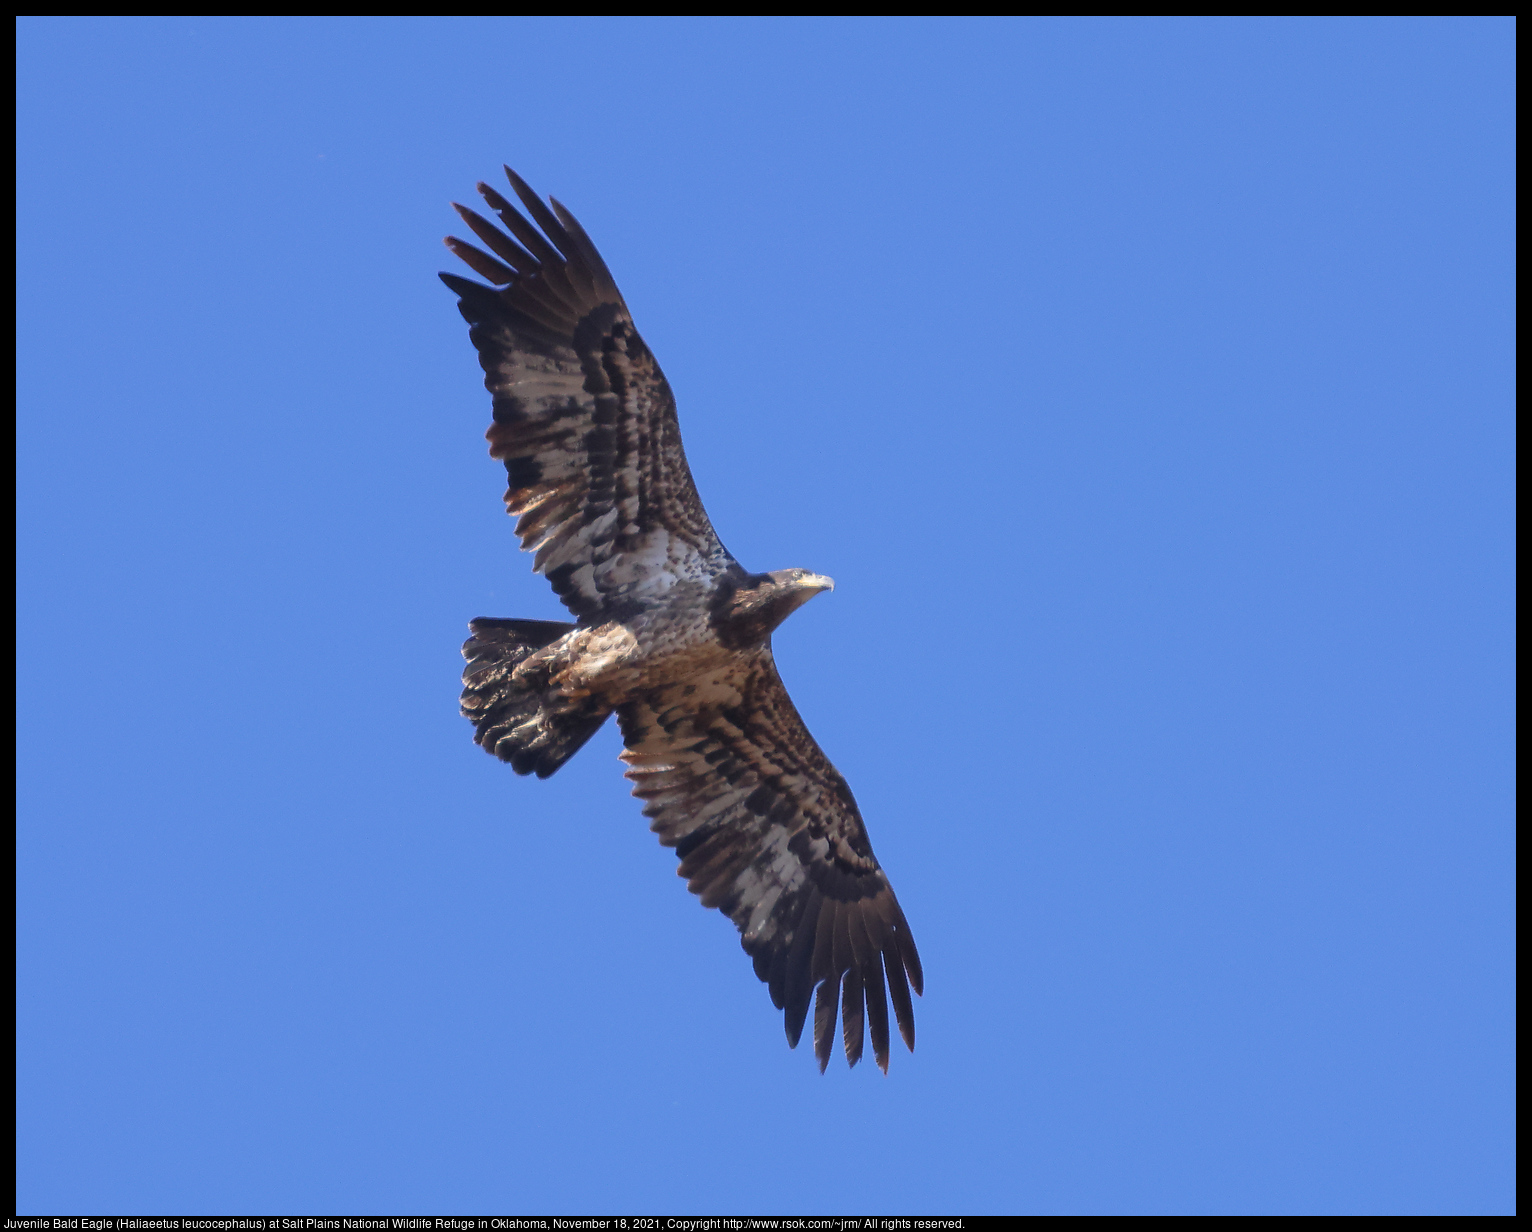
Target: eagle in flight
point(671, 634)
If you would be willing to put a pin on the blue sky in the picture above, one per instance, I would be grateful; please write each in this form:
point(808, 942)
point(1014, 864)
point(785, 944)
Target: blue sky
point(1145, 385)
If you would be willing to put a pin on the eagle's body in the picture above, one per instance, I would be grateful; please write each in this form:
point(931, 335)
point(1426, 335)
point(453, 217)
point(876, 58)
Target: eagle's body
point(672, 635)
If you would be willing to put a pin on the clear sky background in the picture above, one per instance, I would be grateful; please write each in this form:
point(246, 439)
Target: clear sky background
point(1145, 385)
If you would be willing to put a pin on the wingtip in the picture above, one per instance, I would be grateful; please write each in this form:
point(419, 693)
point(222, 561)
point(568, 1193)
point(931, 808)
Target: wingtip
point(490, 268)
point(516, 182)
point(563, 215)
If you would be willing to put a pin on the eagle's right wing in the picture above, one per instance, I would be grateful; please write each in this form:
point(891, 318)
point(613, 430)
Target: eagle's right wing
point(768, 833)
point(584, 419)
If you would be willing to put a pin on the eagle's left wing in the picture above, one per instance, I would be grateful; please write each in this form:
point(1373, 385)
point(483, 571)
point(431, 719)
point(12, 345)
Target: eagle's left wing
point(768, 832)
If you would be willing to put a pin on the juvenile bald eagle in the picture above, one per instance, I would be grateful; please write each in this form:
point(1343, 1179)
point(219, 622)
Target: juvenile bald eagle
point(671, 634)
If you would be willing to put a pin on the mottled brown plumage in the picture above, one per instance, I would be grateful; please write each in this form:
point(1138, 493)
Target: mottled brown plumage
point(672, 635)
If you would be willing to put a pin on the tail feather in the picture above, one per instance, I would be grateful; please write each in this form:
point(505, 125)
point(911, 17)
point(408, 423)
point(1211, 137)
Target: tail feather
point(512, 718)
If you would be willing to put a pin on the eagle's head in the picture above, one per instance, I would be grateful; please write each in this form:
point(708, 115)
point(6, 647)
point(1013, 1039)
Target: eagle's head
point(746, 607)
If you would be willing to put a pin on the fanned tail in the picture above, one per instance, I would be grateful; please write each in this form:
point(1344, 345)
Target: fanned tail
point(512, 718)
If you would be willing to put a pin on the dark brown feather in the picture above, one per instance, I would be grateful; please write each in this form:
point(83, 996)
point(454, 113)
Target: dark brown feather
point(512, 253)
point(798, 984)
point(851, 1015)
point(542, 215)
point(857, 933)
point(907, 949)
point(555, 283)
point(590, 258)
point(824, 942)
point(481, 263)
point(877, 1010)
point(825, 997)
point(518, 226)
point(899, 994)
point(844, 959)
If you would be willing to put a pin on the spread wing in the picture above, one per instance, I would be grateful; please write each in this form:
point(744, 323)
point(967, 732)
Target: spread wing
point(768, 832)
point(583, 417)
